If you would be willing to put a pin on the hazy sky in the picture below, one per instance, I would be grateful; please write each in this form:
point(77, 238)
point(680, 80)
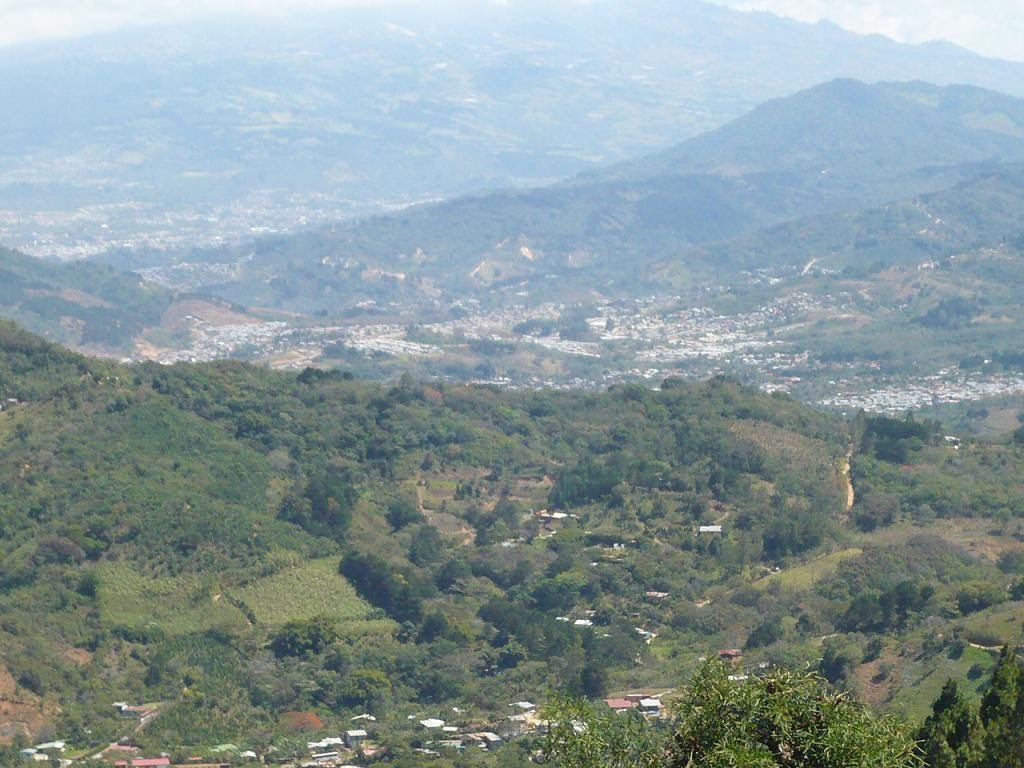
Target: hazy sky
point(991, 27)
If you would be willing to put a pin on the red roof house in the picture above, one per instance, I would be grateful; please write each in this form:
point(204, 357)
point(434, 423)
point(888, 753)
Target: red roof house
point(619, 704)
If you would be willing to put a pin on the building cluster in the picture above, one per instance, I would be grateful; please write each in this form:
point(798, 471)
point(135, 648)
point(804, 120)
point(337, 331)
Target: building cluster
point(944, 387)
point(646, 704)
point(646, 339)
point(47, 753)
point(355, 747)
point(135, 225)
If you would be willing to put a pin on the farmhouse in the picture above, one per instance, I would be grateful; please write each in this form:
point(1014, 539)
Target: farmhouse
point(326, 758)
point(484, 739)
point(354, 738)
point(142, 712)
point(325, 744)
point(619, 705)
point(650, 706)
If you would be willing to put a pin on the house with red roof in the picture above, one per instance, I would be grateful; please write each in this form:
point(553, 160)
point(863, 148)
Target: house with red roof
point(620, 705)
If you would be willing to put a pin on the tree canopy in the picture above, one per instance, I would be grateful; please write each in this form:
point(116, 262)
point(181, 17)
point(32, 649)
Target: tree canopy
point(781, 718)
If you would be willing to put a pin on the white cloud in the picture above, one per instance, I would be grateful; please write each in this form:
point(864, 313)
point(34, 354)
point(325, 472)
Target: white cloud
point(29, 20)
point(990, 27)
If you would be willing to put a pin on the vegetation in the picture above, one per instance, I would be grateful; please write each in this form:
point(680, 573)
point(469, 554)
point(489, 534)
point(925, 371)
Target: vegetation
point(959, 735)
point(79, 304)
point(255, 551)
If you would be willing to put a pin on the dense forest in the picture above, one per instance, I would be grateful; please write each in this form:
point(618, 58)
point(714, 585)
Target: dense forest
point(262, 556)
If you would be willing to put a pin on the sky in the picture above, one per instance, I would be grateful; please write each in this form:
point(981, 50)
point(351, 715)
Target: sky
point(990, 27)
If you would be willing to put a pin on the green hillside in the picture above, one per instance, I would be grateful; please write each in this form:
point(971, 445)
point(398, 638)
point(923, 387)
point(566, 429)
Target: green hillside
point(79, 303)
point(984, 211)
point(854, 131)
point(258, 550)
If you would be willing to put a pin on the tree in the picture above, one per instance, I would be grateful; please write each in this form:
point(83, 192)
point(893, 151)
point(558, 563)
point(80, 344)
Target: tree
point(951, 736)
point(302, 638)
point(979, 595)
point(427, 546)
point(781, 719)
point(435, 625)
point(324, 508)
point(1002, 714)
point(594, 679)
point(404, 510)
point(765, 633)
point(839, 659)
point(370, 688)
point(301, 722)
point(381, 586)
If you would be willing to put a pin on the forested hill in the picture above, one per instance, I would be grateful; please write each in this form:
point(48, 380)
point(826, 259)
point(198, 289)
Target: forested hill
point(840, 146)
point(983, 212)
point(259, 551)
point(80, 304)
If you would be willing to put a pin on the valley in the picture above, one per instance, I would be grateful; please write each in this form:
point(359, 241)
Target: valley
point(817, 336)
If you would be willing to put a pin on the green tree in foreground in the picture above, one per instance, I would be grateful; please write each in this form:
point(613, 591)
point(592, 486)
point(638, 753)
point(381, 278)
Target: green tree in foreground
point(951, 736)
point(1002, 713)
point(781, 719)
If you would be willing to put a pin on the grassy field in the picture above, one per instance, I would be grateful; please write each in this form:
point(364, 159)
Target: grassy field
point(176, 606)
point(187, 604)
point(995, 625)
point(311, 589)
point(920, 682)
point(807, 575)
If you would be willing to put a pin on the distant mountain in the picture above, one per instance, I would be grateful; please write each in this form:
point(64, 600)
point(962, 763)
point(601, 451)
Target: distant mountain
point(270, 124)
point(854, 130)
point(840, 146)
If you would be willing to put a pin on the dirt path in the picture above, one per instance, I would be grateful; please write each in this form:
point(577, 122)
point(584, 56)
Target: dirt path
point(990, 648)
point(851, 497)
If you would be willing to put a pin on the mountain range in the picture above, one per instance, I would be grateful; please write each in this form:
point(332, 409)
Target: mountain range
point(839, 147)
point(110, 142)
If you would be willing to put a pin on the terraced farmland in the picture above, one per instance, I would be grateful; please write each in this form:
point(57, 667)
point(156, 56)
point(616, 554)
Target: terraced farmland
point(302, 592)
point(175, 606)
